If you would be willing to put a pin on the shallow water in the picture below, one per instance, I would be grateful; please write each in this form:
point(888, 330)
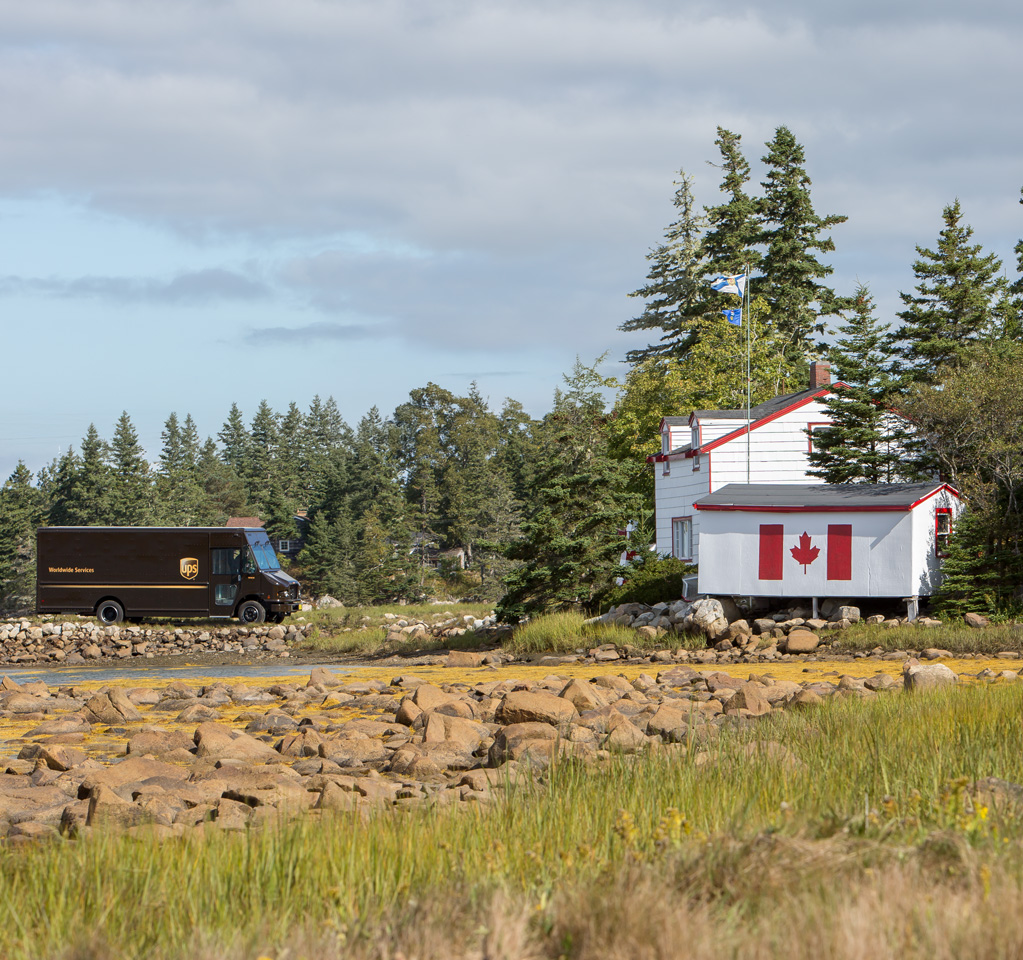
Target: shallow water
point(167, 673)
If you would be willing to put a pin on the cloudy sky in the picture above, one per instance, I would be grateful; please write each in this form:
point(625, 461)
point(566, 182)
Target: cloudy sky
point(207, 201)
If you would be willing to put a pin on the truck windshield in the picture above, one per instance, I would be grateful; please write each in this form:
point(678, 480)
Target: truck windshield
point(264, 554)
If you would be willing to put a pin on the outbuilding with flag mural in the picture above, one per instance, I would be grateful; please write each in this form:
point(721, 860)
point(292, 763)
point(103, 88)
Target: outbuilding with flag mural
point(818, 540)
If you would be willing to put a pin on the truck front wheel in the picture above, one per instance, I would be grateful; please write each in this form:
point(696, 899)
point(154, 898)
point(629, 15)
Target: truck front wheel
point(252, 611)
point(109, 612)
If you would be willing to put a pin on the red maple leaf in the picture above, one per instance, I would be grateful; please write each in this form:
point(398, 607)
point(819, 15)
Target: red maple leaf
point(805, 553)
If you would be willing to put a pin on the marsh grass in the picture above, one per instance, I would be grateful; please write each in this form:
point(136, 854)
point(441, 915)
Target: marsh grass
point(734, 830)
point(955, 637)
point(568, 631)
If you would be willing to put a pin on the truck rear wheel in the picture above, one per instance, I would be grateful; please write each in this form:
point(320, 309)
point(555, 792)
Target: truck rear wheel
point(252, 611)
point(109, 612)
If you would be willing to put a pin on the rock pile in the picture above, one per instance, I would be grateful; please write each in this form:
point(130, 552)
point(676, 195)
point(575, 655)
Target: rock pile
point(71, 642)
point(169, 761)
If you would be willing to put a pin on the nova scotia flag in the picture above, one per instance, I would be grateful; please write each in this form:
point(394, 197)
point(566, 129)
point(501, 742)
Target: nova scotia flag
point(735, 284)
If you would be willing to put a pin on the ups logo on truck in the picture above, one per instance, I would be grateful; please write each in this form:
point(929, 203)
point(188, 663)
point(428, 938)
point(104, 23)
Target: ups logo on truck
point(189, 568)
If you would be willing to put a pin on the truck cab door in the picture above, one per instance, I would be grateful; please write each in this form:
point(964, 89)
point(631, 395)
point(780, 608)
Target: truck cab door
point(226, 572)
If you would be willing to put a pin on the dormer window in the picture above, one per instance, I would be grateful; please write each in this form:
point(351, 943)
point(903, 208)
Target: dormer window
point(666, 442)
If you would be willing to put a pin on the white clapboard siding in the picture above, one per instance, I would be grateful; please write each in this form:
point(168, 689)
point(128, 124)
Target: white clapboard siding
point(779, 453)
point(892, 554)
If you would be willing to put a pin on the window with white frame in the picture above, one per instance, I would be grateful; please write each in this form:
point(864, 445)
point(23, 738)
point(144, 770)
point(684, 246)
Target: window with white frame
point(283, 546)
point(682, 538)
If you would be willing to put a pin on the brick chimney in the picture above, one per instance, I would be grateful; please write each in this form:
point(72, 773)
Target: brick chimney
point(820, 374)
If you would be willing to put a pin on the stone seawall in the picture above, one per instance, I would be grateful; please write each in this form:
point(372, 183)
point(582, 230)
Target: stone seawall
point(73, 642)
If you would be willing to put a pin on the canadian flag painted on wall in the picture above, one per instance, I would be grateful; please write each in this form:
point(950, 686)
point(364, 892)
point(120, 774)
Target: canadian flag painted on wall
point(803, 551)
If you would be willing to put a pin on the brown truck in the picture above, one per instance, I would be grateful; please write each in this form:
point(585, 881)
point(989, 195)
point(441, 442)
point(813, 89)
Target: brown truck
point(131, 572)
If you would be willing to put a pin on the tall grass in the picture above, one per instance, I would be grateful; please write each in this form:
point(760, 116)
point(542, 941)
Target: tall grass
point(957, 638)
point(568, 631)
point(867, 779)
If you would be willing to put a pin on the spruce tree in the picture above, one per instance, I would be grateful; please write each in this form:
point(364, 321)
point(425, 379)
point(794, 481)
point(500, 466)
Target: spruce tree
point(235, 441)
point(179, 496)
point(21, 511)
point(81, 490)
point(730, 243)
point(222, 492)
point(131, 486)
point(675, 290)
point(570, 537)
point(954, 304)
point(794, 235)
point(865, 443)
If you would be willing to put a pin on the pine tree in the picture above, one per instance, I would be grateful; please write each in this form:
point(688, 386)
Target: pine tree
point(865, 443)
point(793, 234)
point(131, 493)
point(21, 511)
point(570, 537)
point(674, 291)
point(955, 301)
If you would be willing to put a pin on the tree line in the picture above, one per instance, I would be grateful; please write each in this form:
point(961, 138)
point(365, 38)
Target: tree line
point(537, 507)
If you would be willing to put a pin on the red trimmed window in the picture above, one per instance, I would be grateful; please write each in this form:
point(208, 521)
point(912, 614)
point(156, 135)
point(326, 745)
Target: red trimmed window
point(811, 429)
point(942, 530)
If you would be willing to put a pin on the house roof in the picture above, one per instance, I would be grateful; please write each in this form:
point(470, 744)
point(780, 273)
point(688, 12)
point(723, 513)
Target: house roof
point(674, 422)
point(243, 522)
point(821, 497)
point(765, 409)
point(759, 415)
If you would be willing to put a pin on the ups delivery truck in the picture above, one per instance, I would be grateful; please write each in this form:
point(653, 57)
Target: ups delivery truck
point(118, 572)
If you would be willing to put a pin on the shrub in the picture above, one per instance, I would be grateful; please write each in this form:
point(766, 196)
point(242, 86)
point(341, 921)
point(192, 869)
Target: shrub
point(649, 580)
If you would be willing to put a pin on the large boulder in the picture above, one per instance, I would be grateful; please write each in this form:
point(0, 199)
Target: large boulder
point(708, 613)
point(927, 676)
point(215, 741)
point(801, 641)
point(523, 706)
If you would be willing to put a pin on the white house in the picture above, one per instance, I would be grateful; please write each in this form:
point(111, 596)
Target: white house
point(710, 448)
point(820, 540)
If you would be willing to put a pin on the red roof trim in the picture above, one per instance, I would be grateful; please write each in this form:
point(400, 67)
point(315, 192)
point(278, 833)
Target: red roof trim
point(837, 509)
point(741, 431)
point(937, 490)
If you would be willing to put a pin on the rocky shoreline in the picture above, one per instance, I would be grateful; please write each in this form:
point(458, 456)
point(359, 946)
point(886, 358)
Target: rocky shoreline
point(230, 755)
point(70, 642)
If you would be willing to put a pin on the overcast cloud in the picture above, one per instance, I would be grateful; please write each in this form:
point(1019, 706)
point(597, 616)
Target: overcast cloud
point(354, 197)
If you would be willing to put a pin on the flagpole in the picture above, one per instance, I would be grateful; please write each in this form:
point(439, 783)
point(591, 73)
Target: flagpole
point(745, 301)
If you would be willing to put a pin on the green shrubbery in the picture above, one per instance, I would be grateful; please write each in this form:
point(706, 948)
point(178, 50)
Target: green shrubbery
point(649, 580)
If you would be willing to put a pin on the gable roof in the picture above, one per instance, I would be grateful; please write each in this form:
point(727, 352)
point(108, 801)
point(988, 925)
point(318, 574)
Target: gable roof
point(822, 497)
point(761, 414)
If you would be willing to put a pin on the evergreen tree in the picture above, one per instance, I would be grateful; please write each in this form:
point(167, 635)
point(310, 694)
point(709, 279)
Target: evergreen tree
point(131, 488)
point(21, 511)
point(793, 234)
point(222, 492)
point(731, 242)
point(235, 441)
point(674, 291)
point(262, 463)
point(329, 558)
point(570, 537)
point(290, 454)
point(179, 497)
point(1017, 286)
point(325, 434)
point(954, 304)
point(81, 485)
point(865, 443)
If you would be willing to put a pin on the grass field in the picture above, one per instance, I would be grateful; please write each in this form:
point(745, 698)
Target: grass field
point(850, 830)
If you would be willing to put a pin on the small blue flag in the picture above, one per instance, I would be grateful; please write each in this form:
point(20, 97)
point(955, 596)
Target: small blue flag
point(733, 316)
point(734, 284)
